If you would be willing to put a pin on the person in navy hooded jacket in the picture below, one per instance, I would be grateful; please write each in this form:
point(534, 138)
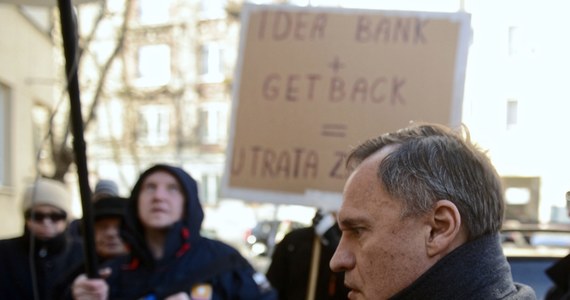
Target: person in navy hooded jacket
point(169, 258)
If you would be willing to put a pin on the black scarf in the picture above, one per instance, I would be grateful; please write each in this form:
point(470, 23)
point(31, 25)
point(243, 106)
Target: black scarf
point(45, 248)
point(475, 270)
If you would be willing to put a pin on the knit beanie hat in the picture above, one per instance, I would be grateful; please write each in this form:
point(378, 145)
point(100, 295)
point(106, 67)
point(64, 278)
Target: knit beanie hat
point(47, 191)
point(107, 187)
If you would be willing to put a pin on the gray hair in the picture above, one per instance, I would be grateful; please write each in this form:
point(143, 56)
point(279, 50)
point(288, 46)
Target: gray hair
point(432, 162)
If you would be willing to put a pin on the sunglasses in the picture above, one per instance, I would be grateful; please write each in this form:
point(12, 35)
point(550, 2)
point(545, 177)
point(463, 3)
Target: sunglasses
point(40, 217)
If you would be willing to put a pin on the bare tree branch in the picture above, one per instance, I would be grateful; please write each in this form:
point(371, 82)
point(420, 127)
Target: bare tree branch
point(61, 151)
point(108, 64)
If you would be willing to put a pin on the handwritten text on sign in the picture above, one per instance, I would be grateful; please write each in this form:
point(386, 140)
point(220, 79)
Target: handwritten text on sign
point(313, 82)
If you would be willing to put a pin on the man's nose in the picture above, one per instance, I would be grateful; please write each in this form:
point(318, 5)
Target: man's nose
point(112, 230)
point(342, 259)
point(161, 193)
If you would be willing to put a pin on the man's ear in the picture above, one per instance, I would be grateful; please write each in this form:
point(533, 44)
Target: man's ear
point(446, 233)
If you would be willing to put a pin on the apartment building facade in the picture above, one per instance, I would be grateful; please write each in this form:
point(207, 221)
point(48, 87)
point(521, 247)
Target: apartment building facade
point(27, 89)
point(167, 94)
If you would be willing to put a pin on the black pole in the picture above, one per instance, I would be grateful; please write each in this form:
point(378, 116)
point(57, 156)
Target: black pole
point(69, 34)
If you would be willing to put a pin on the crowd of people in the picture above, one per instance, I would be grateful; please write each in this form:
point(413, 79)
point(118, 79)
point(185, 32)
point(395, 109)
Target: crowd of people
point(420, 219)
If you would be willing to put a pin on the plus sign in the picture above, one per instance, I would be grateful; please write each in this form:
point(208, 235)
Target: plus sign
point(336, 65)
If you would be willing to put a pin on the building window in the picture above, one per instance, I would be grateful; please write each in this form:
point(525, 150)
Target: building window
point(212, 66)
point(154, 126)
point(512, 113)
point(4, 134)
point(214, 122)
point(213, 9)
point(210, 189)
point(110, 119)
point(522, 198)
point(517, 195)
point(153, 65)
point(520, 42)
point(154, 12)
point(40, 16)
point(41, 118)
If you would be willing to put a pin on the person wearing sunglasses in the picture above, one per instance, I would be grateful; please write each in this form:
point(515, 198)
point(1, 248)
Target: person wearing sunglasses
point(32, 263)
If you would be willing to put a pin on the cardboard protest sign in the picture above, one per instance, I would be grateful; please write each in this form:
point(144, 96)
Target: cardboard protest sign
point(313, 82)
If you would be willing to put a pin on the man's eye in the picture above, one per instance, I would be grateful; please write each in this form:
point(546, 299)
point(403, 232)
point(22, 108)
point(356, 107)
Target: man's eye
point(173, 188)
point(149, 188)
point(353, 231)
point(357, 230)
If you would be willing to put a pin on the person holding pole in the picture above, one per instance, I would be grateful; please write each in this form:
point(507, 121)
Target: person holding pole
point(169, 258)
point(104, 188)
point(108, 214)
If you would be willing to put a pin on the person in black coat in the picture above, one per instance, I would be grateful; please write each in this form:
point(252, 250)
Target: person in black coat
point(33, 262)
point(420, 219)
point(559, 273)
point(292, 261)
point(104, 188)
point(108, 213)
point(168, 255)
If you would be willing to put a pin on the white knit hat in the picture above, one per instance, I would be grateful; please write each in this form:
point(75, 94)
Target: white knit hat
point(47, 191)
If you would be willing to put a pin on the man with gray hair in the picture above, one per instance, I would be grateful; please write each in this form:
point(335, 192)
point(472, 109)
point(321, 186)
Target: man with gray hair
point(420, 219)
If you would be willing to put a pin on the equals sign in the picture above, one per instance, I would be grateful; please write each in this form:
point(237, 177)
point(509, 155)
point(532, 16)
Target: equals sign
point(334, 130)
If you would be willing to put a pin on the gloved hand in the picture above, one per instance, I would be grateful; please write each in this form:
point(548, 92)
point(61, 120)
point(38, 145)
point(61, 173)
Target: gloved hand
point(325, 227)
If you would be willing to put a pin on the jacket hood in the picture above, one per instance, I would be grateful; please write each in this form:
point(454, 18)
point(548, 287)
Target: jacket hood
point(187, 230)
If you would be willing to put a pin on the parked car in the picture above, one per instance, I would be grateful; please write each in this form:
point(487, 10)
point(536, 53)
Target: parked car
point(533, 248)
point(262, 238)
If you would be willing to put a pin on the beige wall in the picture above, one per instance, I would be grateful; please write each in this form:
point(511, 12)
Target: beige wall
point(28, 69)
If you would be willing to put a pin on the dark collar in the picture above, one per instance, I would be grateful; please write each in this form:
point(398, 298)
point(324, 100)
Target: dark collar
point(475, 270)
point(45, 248)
